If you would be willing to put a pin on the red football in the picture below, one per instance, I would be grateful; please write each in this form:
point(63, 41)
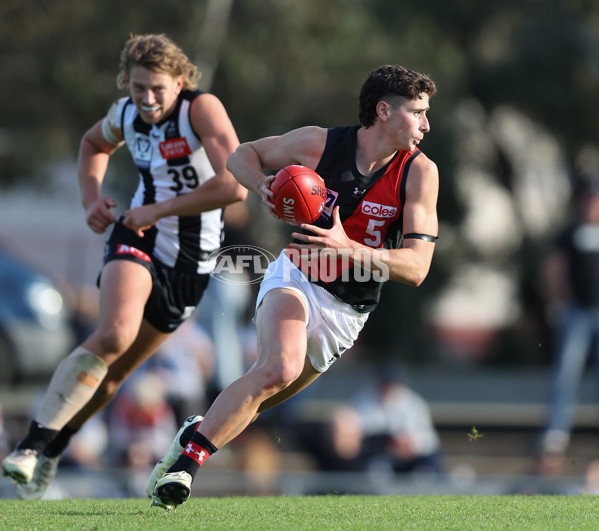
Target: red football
point(299, 194)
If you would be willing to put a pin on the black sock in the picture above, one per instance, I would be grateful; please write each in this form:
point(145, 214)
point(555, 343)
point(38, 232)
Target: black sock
point(197, 450)
point(60, 442)
point(38, 438)
point(188, 433)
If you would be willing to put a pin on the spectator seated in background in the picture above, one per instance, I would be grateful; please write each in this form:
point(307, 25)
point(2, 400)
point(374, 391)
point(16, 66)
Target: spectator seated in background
point(387, 428)
point(398, 430)
point(339, 446)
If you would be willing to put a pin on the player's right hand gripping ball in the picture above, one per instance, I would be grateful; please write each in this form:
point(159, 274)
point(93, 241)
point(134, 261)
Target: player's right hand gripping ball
point(299, 194)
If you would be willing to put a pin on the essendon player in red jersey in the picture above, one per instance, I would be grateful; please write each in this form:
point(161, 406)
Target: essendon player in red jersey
point(379, 224)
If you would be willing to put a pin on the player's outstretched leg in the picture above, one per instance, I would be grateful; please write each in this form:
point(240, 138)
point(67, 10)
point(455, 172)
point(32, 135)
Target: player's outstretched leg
point(20, 465)
point(43, 475)
point(174, 451)
point(174, 487)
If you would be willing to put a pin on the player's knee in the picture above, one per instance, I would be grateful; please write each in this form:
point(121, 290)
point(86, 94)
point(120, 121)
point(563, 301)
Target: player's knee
point(280, 376)
point(115, 339)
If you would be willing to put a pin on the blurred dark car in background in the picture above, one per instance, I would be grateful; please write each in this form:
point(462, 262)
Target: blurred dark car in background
point(35, 327)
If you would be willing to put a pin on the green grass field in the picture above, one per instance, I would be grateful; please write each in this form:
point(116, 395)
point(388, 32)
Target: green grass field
point(317, 512)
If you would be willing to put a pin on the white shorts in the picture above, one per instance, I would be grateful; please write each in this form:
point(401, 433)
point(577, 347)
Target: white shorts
point(332, 327)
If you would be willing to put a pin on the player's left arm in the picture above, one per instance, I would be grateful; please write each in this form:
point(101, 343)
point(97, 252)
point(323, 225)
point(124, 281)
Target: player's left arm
point(411, 263)
point(211, 122)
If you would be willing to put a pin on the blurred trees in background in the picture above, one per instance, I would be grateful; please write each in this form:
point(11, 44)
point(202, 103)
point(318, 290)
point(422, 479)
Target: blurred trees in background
point(514, 118)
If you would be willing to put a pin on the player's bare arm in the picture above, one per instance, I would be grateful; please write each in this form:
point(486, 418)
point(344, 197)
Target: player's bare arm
point(210, 121)
point(411, 263)
point(301, 146)
point(94, 153)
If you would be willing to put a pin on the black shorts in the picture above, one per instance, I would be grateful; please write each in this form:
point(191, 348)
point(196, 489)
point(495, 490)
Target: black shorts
point(175, 294)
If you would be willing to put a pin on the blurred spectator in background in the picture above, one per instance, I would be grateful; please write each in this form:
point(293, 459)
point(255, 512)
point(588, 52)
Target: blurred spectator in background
point(4, 444)
point(185, 363)
point(398, 430)
point(338, 444)
point(387, 429)
point(84, 302)
point(591, 479)
point(571, 275)
point(224, 313)
point(89, 446)
point(260, 459)
point(140, 422)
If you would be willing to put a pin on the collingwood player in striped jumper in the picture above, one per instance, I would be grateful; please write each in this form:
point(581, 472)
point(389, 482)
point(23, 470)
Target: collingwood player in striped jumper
point(158, 254)
point(379, 223)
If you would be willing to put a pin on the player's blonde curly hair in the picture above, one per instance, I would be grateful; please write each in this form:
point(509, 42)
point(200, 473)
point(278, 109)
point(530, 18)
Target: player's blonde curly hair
point(157, 53)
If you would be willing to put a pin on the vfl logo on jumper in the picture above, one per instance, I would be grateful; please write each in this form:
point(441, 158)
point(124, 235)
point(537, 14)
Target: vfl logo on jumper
point(197, 453)
point(241, 264)
point(121, 249)
point(143, 150)
point(174, 148)
point(329, 203)
point(378, 211)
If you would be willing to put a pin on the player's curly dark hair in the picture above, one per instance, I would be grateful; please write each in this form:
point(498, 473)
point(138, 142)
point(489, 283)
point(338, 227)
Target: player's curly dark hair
point(158, 53)
point(387, 81)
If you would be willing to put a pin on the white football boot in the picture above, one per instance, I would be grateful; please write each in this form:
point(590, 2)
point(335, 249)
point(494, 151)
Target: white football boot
point(171, 455)
point(172, 490)
point(20, 465)
point(43, 475)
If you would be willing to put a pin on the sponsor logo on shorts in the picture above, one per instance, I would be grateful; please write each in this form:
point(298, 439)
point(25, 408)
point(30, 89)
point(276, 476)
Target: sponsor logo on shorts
point(121, 248)
point(378, 211)
point(241, 264)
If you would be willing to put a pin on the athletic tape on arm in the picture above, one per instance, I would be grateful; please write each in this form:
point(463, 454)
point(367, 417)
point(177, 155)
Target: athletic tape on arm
point(108, 124)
